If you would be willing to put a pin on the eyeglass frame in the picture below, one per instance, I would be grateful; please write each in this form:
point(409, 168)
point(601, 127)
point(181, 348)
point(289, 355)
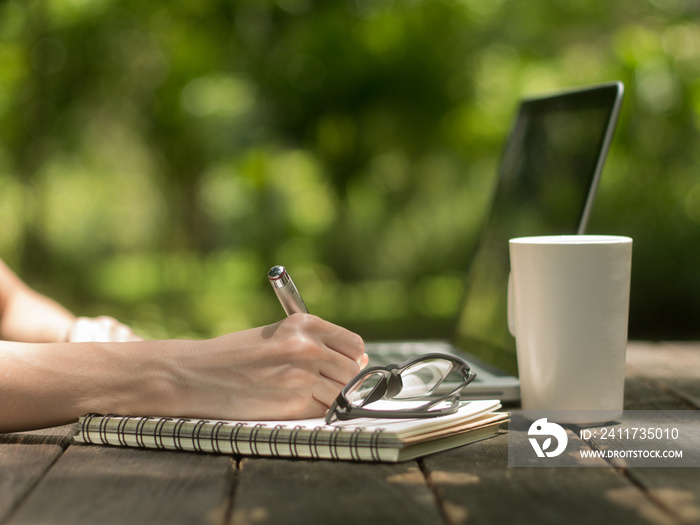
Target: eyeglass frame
point(343, 410)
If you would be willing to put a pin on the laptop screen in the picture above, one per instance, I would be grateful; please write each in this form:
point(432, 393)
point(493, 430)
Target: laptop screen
point(546, 182)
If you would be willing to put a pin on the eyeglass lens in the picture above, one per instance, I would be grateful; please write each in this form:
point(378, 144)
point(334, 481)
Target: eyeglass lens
point(367, 389)
point(423, 377)
point(419, 379)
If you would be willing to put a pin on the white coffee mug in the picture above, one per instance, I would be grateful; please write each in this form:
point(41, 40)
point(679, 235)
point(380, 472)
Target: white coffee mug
point(568, 309)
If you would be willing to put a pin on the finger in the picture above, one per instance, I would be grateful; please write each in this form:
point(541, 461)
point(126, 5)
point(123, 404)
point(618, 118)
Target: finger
point(347, 344)
point(364, 361)
point(83, 330)
point(333, 336)
point(326, 391)
point(101, 329)
point(108, 329)
point(122, 333)
point(113, 331)
point(339, 369)
point(317, 409)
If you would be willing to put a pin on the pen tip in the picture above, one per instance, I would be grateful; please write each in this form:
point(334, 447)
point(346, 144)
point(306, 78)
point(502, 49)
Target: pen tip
point(276, 272)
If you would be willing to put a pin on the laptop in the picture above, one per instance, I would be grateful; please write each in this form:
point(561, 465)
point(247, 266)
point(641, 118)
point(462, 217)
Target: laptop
point(546, 183)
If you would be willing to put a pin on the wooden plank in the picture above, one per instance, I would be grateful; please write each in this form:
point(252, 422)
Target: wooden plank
point(62, 434)
point(666, 376)
point(474, 485)
point(642, 394)
point(95, 484)
point(303, 492)
point(672, 367)
point(25, 457)
point(676, 489)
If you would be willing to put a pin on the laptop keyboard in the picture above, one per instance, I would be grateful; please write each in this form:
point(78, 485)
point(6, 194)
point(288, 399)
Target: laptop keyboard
point(383, 354)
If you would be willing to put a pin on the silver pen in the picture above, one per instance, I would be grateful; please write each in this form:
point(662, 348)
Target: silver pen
point(287, 293)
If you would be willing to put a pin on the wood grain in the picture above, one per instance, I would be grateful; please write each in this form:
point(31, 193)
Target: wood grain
point(666, 376)
point(309, 492)
point(24, 458)
point(673, 368)
point(475, 486)
point(110, 485)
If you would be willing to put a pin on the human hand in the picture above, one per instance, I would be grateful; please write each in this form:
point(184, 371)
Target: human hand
point(292, 369)
point(103, 329)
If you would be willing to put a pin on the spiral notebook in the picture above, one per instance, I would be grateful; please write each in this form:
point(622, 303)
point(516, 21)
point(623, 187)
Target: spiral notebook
point(372, 440)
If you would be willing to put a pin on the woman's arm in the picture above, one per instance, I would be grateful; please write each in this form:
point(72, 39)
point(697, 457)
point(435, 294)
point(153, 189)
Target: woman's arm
point(288, 370)
point(30, 317)
point(65, 367)
point(26, 315)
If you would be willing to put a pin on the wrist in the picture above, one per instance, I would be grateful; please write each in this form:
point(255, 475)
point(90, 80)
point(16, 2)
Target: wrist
point(158, 377)
point(123, 378)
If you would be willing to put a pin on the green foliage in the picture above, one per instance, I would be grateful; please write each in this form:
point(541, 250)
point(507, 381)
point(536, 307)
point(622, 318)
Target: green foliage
point(156, 158)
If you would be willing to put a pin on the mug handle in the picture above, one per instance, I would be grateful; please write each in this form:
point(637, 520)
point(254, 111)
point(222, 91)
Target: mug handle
point(511, 305)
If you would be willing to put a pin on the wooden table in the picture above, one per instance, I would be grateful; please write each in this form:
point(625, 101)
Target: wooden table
point(44, 478)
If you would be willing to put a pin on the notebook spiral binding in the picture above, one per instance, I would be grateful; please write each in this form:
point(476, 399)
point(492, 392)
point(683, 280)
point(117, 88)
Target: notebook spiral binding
point(237, 438)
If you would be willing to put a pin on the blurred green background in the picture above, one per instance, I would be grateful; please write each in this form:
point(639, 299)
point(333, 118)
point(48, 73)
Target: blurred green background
point(156, 158)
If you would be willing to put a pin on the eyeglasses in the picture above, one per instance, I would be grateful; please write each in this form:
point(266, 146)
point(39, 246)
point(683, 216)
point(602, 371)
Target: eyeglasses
point(414, 380)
